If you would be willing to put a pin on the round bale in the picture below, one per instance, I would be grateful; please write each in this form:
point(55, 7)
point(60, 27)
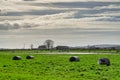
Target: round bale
point(29, 57)
point(17, 58)
point(104, 61)
point(74, 59)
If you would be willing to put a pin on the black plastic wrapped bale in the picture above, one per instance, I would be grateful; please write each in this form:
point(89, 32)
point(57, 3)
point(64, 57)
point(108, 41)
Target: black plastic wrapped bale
point(17, 58)
point(29, 57)
point(74, 59)
point(104, 61)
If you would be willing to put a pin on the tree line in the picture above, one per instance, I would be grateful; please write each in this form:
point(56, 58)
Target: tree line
point(49, 45)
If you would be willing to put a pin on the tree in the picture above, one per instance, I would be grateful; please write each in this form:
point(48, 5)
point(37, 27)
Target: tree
point(49, 44)
point(31, 46)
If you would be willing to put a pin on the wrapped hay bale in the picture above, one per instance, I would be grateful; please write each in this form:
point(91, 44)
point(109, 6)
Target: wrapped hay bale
point(104, 61)
point(74, 59)
point(17, 58)
point(29, 57)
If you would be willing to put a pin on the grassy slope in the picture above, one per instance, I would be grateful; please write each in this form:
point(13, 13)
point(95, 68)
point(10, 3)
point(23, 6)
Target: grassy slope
point(58, 67)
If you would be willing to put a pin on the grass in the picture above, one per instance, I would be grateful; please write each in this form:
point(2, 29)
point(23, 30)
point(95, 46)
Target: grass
point(58, 67)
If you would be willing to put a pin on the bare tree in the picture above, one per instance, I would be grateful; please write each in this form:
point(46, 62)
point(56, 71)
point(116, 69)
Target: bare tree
point(49, 44)
point(31, 46)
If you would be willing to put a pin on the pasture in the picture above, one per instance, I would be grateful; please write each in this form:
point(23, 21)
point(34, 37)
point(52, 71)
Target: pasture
point(58, 67)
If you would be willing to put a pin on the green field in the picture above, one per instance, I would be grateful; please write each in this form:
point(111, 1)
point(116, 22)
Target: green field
point(58, 67)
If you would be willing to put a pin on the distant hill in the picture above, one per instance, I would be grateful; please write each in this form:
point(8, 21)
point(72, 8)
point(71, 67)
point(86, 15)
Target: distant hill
point(107, 46)
point(98, 46)
point(104, 46)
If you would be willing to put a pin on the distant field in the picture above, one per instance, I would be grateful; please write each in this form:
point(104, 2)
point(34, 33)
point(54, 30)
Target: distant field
point(58, 67)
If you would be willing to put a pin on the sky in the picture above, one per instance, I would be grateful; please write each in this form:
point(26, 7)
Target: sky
point(66, 22)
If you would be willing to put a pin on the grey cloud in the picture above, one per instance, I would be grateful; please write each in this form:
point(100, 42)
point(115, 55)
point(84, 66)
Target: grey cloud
point(92, 14)
point(110, 19)
point(91, 8)
point(69, 31)
point(51, 17)
point(15, 25)
point(7, 26)
point(35, 12)
point(91, 4)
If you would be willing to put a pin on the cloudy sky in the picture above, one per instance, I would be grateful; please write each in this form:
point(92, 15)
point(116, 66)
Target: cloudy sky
point(67, 22)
